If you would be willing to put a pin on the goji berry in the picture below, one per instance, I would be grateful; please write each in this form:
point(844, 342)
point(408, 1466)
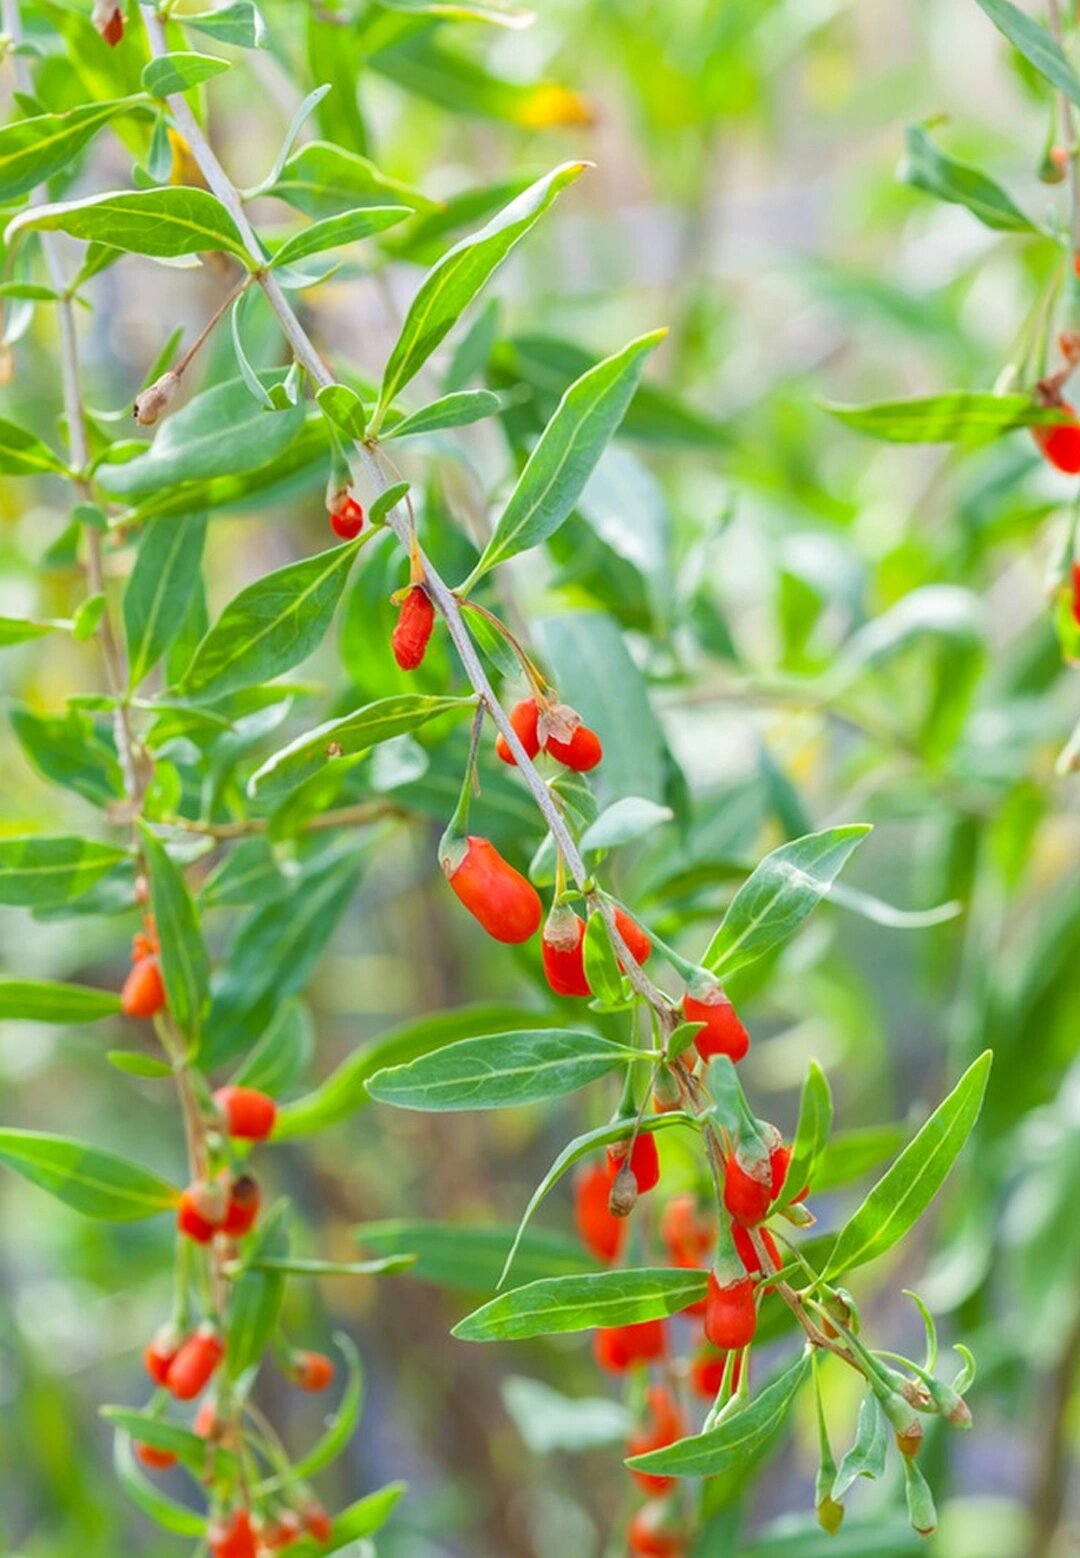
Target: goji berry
point(563, 952)
point(233, 1538)
point(206, 1423)
point(664, 1427)
point(600, 1232)
point(243, 1206)
point(1060, 442)
point(723, 1033)
point(707, 1372)
point(194, 1365)
point(644, 1161)
point(201, 1211)
point(507, 906)
point(523, 717)
point(160, 1352)
point(346, 517)
point(143, 994)
point(686, 1234)
point(583, 752)
point(748, 1254)
point(317, 1523)
point(156, 1459)
point(652, 1535)
point(415, 623)
point(283, 1531)
point(620, 1347)
point(730, 1313)
point(747, 1195)
point(637, 943)
point(247, 1114)
point(311, 1370)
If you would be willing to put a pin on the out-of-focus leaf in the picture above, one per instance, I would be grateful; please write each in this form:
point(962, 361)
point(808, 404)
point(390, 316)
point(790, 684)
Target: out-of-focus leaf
point(32, 150)
point(160, 589)
point(44, 1000)
point(471, 1258)
point(68, 750)
point(548, 1421)
point(603, 1298)
point(184, 966)
point(43, 872)
point(962, 416)
point(88, 1179)
point(929, 169)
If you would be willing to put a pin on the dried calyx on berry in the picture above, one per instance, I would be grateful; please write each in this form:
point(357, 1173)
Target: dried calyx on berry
point(555, 728)
point(723, 1033)
point(108, 17)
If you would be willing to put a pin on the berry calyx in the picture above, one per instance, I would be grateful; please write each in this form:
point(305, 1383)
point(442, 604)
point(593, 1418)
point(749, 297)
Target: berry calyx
point(664, 1427)
point(600, 1232)
point(562, 950)
point(730, 1313)
point(233, 1538)
point(283, 1532)
point(206, 1423)
point(201, 1211)
point(346, 516)
point(643, 1161)
point(583, 752)
point(243, 1206)
point(523, 717)
point(160, 1352)
point(723, 1033)
point(195, 1364)
point(1060, 442)
point(415, 623)
point(246, 1113)
point(143, 993)
point(506, 905)
point(618, 1348)
point(155, 1458)
point(311, 1370)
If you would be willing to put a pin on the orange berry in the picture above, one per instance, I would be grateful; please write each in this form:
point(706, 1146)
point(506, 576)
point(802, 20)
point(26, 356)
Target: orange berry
point(506, 905)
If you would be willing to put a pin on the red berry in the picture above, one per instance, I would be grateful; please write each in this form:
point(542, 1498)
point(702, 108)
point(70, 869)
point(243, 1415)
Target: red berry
point(723, 1033)
point(600, 1231)
point(108, 18)
point(749, 1256)
point(233, 1538)
point(193, 1367)
point(160, 1352)
point(1060, 442)
point(415, 623)
point(644, 1161)
point(650, 1536)
point(243, 1207)
point(730, 1313)
point(195, 1216)
point(158, 1460)
point(507, 906)
point(619, 1347)
point(637, 943)
point(311, 1371)
point(581, 753)
point(746, 1196)
point(563, 952)
point(206, 1423)
point(686, 1235)
point(247, 1113)
point(283, 1532)
point(143, 994)
point(707, 1372)
point(523, 717)
point(664, 1427)
point(346, 517)
point(317, 1523)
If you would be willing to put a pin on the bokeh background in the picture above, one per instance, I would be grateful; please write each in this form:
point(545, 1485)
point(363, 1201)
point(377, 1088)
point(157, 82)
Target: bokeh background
point(774, 625)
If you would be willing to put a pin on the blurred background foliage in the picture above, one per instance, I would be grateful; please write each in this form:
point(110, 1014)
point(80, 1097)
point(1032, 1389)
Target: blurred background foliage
point(773, 624)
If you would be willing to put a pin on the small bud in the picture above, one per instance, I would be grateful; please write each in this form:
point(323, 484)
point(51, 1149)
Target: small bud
point(156, 398)
point(917, 1395)
point(624, 1193)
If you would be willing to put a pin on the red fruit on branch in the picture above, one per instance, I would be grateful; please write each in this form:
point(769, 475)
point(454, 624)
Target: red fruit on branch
point(563, 952)
point(507, 906)
point(664, 1426)
point(415, 623)
point(1060, 442)
point(201, 1211)
point(601, 1233)
point(317, 1523)
point(160, 1352)
point(523, 717)
point(637, 943)
point(652, 1535)
point(748, 1254)
point(206, 1423)
point(156, 1459)
point(730, 1313)
point(195, 1364)
point(243, 1206)
point(748, 1191)
point(247, 1114)
point(644, 1161)
point(723, 1033)
point(283, 1532)
point(583, 752)
point(108, 17)
point(311, 1370)
point(620, 1347)
point(233, 1537)
point(346, 516)
point(685, 1233)
point(143, 994)
point(707, 1372)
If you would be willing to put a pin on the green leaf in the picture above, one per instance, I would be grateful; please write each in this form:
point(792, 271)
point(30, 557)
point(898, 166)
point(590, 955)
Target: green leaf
point(387, 501)
point(353, 1524)
point(134, 1064)
point(184, 967)
point(221, 432)
point(21, 454)
point(282, 1053)
point(734, 1443)
point(566, 455)
point(603, 1298)
point(17, 630)
point(93, 1182)
point(166, 1512)
point(325, 180)
point(160, 589)
point(344, 408)
point(256, 1297)
point(455, 280)
point(32, 150)
point(68, 750)
point(497, 12)
point(866, 1458)
point(851, 1154)
point(342, 1424)
point(170, 73)
point(471, 1258)
point(239, 23)
point(334, 231)
point(272, 625)
point(811, 1133)
point(499, 1071)
point(37, 873)
point(146, 1428)
point(927, 168)
point(293, 1266)
point(961, 416)
point(356, 732)
point(901, 1196)
point(624, 822)
point(548, 1420)
point(779, 894)
point(1036, 44)
point(163, 223)
point(43, 1000)
point(456, 410)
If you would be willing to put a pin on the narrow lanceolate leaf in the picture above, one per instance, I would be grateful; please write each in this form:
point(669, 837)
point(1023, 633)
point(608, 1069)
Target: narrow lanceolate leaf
point(19, 630)
point(334, 231)
point(959, 417)
point(500, 1070)
point(161, 223)
point(171, 73)
point(494, 11)
point(37, 873)
point(21, 454)
point(452, 284)
point(566, 455)
point(45, 1000)
point(470, 1258)
point(93, 1182)
point(811, 1132)
point(866, 1458)
point(341, 1426)
point(160, 589)
point(367, 727)
point(779, 894)
point(256, 1297)
point(602, 1298)
point(1036, 44)
point(240, 24)
point(736, 1442)
point(184, 967)
point(905, 1191)
point(32, 150)
point(456, 410)
point(386, 1265)
point(927, 168)
point(326, 180)
point(272, 625)
point(157, 1506)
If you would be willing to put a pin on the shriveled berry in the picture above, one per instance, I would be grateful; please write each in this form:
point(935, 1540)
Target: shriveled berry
point(415, 623)
point(523, 717)
point(644, 1161)
point(620, 1347)
point(723, 1033)
point(583, 752)
point(652, 1533)
point(155, 1458)
point(506, 905)
point(143, 994)
point(311, 1371)
point(248, 1114)
point(563, 952)
point(730, 1313)
point(194, 1365)
point(637, 943)
point(160, 1352)
point(243, 1206)
point(233, 1537)
point(601, 1233)
point(1060, 442)
point(663, 1427)
point(346, 517)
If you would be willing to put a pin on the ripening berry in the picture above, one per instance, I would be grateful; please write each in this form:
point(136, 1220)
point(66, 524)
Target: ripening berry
point(311, 1370)
point(723, 1033)
point(233, 1537)
point(620, 1347)
point(507, 906)
point(317, 1523)
point(193, 1367)
point(637, 943)
point(346, 517)
point(160, 1352)
point(644, 1161)
point(143, 994)
point(523, 717)
point(415, 623)
point(243, 1206)
point(1060, 442)
point(206, 1423)
point(663, 1427)
point(651, 1534)
point(730, 1313)
point(563, 952)
point(582, 752)
point(746, 1196)
point(707, 1372)
point(600, 1231)
point(247, 1114)
point(157, 1460)
point(201, 1211)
